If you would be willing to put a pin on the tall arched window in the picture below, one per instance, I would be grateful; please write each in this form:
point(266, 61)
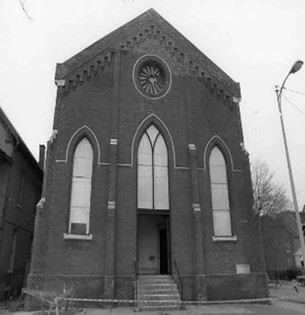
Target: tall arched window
point(81, 188)
point(152, 171)
point(220, 194)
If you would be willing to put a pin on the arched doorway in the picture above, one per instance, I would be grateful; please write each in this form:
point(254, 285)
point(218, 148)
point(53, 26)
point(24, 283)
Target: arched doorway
point(153, 218)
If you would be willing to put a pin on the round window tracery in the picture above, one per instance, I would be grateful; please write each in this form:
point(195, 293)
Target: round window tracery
point(151, 76)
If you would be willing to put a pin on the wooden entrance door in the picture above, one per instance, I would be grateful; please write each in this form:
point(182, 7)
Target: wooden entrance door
point(148, 247)
point(153, 244)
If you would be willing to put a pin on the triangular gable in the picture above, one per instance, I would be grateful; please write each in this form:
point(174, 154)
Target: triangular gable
point(17, 138)
point(149, 23)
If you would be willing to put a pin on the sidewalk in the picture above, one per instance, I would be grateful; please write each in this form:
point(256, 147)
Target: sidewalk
point(285, 292)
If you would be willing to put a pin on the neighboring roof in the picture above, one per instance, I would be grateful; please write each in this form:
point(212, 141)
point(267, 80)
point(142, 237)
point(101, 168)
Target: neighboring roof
point(131, 31)
point(285, 220)
point(289, 221)
point(10, 125)
point(18, 138)
point(4, 156)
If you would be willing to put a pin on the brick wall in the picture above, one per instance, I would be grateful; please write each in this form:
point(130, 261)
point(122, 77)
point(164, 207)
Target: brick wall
point(278, 246)
point(17, 217)
point(193, 112)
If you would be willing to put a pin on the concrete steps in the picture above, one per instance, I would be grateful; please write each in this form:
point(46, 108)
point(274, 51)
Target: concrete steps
point(155, 292)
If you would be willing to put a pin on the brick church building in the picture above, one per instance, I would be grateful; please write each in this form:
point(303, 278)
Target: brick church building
point(146, 173)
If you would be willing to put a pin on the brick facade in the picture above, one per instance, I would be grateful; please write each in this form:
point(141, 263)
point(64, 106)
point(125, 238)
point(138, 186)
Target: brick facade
point(20, 191)
point(97, 99)
point(281, 241)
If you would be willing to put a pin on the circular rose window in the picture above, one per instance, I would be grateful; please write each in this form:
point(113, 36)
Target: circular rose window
point(151, 76)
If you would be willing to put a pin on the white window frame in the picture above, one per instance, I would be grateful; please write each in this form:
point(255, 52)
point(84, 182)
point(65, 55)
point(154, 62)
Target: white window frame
point(76, 175)
point(222, 183)
point(155, 165)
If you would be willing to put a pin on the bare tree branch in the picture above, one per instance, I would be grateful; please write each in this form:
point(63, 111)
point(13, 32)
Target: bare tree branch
point(22, 4)
point(269, 196)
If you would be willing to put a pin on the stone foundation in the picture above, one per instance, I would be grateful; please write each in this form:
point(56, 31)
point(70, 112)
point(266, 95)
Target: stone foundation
point(195, 287)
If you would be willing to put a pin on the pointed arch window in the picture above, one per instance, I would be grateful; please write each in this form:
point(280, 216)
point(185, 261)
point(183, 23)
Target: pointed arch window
point(220, 194)
point(152, 171)
point(81, 188)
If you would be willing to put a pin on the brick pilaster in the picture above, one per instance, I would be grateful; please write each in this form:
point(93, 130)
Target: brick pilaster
point(198, 230)
point(112, 183)
point(200, 268)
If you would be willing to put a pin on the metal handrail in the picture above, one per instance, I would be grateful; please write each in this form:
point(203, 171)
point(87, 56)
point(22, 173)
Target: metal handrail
point(135, 284)
point(179, 279)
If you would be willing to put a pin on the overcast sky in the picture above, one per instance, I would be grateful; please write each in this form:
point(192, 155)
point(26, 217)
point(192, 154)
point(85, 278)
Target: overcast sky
point(255, 42)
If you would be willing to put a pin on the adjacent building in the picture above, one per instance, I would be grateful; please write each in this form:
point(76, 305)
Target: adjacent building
point(146, 171)
point(20, 190)
point(281, 242)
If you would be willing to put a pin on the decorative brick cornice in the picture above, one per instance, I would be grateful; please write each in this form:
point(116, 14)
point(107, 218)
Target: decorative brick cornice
point(211, 82)
point(85, 72)
point(148, 26)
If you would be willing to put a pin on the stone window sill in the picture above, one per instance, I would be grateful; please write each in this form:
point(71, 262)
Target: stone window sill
point(225, 238)
point(82, 237)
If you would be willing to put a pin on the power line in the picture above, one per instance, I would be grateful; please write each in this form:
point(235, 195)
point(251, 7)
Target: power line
point(293, 91)
point(296, 107)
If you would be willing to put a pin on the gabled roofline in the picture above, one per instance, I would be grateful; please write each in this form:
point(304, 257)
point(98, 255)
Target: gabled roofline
point(115, 38)
point(19, 140)
point(10, 125)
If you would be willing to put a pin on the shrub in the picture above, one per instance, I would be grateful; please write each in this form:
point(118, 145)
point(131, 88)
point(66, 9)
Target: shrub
point(284, 274)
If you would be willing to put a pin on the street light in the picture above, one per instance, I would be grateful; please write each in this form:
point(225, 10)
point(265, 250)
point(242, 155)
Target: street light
point(296, 67)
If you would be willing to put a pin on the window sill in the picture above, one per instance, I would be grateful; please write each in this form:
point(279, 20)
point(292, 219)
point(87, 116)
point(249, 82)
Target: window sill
point(82, 237)
point(225, 238)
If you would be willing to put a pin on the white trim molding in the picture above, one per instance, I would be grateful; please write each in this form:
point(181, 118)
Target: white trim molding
point(227, 149)
point(225, 238)
point(196, 207)
point(236, 100)
point(242, 145)
point(54, 135)
point(60, 82)
point(41, 203)
point(166, 65)
point(192, 147)
point(65, 160)
point(81, 237)
point(114, 141)
point(170, 137)
point(111, 205)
